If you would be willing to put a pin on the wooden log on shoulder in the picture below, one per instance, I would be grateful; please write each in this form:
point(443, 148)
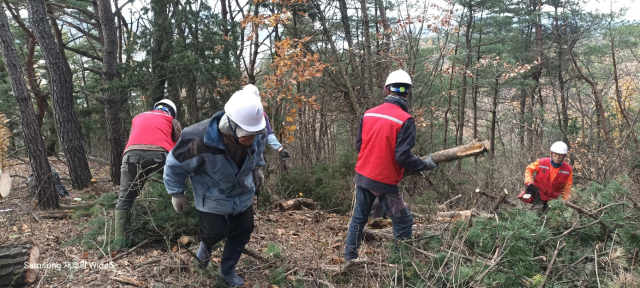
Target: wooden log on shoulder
point(297, 204)
point(475, 148)
point(19, 264)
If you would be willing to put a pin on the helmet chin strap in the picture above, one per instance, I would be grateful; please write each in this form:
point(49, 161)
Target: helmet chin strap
point(233, 131)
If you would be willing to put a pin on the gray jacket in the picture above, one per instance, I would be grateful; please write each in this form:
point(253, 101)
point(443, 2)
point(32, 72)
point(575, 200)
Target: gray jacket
point(219, 186)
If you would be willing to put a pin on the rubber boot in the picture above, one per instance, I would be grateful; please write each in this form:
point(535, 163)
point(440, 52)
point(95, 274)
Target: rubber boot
point(121, 219)
point(230, 257)
point(204, 254)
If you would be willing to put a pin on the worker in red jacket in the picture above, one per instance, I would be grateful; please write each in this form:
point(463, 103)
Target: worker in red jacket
point(386, 135)
point(153, 135)
point(553, 178)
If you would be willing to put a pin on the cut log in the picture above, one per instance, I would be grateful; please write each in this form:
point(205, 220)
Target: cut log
point(464, 214)
point(507, 201)
point(60, 215)
point(297, 204)
point(5, 185)
point(476, 148)
point(499, 201)
point(19, 264)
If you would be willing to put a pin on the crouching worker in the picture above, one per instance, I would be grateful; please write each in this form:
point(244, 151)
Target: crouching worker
point(386, 135)
point(153, 134)
point(553, 177)
point(221, 156)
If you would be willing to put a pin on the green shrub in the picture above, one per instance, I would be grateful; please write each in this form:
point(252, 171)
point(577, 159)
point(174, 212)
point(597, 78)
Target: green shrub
point(328, 184)
point(152, 215)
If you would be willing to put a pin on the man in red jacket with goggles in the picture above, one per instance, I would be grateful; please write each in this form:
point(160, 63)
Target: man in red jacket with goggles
point(386, 135)
point(153, 135)
point(553, 178)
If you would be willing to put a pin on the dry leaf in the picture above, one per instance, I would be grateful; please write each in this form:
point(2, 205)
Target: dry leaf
point(175, 249)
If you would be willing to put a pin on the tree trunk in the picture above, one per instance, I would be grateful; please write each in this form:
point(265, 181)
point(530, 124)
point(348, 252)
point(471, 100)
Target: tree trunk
point(597, 95)
point(161, 48)
point(61, 86)
point(494, 119)
point(193, 110)
point(619, 95)
point(344, 16)
point(13, 259)
point(255, 45)
point(367, 49)
point(450, 92)
point(463, 94)
point(342, 71)
point(112, 95)
point(35, 146)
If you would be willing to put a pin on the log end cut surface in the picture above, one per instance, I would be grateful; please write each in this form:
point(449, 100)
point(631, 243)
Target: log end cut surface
point(14, 259)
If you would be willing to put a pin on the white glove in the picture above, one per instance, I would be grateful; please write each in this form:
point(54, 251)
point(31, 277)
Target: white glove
point(179, 203)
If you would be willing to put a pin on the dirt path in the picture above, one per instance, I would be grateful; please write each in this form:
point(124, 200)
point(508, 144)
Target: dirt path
point(297, 245)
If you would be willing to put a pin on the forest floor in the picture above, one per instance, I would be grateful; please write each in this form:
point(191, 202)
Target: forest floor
point(292, 248)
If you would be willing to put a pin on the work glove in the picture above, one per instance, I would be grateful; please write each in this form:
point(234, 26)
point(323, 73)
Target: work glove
point(430, 164)
point(284, 154)
point(258, 178)
point(179, 202)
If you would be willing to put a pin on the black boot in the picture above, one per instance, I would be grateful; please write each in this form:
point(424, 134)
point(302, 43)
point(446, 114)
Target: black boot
point(230, 257)
point(204, 254)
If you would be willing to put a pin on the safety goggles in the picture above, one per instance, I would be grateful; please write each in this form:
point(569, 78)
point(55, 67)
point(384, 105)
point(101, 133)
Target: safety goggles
point(165, 109)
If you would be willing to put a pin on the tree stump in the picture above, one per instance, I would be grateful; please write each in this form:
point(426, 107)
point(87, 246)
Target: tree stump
point(19, 264)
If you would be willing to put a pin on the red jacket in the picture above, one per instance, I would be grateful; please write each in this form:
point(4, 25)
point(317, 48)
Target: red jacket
point(380, 127)
point(551, 189)
point(152, 128)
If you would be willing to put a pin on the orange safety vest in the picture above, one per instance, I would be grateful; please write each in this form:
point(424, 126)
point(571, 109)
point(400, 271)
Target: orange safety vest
point(551, 189)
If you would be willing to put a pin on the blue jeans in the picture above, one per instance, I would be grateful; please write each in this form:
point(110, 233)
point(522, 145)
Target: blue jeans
point(402, 220)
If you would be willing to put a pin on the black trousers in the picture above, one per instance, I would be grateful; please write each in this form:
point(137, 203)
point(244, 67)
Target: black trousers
point(137, 167)
point(236, 228)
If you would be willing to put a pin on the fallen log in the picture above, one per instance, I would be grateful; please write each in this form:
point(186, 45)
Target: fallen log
point(378, 234)
point(499, 201)
point(79, 206)
point(19, 264)
point(130, 281)
point(297, 204)
point(464, 214)
point(360, 267)
point(61, 215)
point(476, 148)
point(553, 259)
point(580, 209)
point(507, 201)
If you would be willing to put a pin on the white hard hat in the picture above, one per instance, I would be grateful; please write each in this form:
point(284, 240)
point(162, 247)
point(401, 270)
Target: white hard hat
point(245, 110)
point(398, 76)
point(559, 147)
point(252, 89)
point(168, 103)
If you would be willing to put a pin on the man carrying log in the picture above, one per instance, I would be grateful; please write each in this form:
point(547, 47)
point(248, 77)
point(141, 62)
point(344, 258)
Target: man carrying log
point(386, 135)
point(553, 177)
point(221, 157)
point(153, 134)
